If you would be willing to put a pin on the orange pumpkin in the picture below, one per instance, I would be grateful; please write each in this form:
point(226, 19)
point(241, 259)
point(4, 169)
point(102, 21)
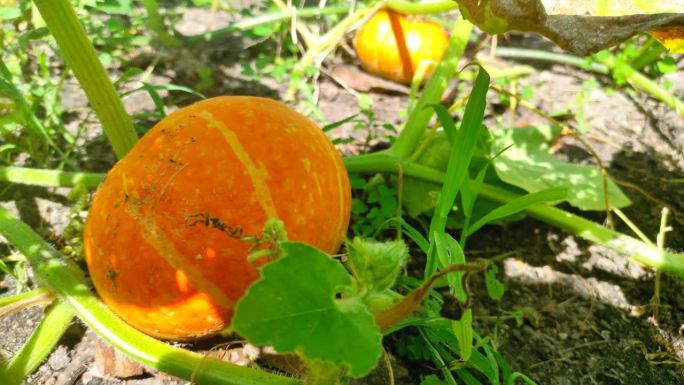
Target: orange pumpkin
point(153, 255)
point(392, 45)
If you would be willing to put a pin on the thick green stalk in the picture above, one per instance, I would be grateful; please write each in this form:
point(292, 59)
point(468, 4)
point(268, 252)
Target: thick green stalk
point(591, 231)
point(636, 79)
point(49, 178)
point(51, 328)
point(418, 121)
point(69, 284)
point(80, 56)
point(641, 252)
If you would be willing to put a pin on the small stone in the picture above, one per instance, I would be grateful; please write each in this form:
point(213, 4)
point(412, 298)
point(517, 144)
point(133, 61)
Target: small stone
point(112, 363)
point(59, 359)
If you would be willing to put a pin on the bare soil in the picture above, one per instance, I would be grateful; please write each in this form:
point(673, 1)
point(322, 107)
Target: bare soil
point(587, 313)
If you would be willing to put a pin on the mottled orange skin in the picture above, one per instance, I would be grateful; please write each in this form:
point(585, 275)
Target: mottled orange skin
point(240, 159)
point(383, 52)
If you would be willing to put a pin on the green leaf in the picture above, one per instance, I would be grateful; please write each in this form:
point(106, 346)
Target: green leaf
point(449, 252)
point(4, 268)
point(446, 120)
point(264, 30)
point(530, 165)
point(338, 123)
point(463, 330)
point(432, 380)
point(485, 366)
point(419, 196)
point(667, 65)
point(121, 7)
point(294, 308)
point(463, 148)
point(467, 377)
point(519, 204)
point(9, 13)
point(407, 229)
point(495, 288)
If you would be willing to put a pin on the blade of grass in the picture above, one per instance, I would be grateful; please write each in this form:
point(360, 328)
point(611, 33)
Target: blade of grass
point(463, 330)
point(462, 151)
point(408, 230)
point(449, 252)
point(437, 359)
point(519, 204)
point(51, 328)
point(447, 122)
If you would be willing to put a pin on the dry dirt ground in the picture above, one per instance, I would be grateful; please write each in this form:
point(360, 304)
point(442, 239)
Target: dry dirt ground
point(587, 318)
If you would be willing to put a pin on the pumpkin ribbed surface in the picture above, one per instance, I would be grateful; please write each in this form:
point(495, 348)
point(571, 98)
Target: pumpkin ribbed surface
point(393, 45)
point(242, 160)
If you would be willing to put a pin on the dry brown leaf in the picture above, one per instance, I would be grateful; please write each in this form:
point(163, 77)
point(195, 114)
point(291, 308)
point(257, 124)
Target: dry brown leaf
point(353, 77)
point(578, 26)
point(412, 300)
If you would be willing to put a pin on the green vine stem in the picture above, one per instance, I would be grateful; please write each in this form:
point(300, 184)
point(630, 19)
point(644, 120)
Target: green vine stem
point(49, 178)
point(646, 254)
point(635, 78)
point(70, 285)
point(80, 56)
point(51, 328)
point(423, 7)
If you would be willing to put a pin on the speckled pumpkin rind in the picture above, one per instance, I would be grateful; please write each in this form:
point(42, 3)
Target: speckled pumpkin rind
point(378, 51)
point(240, 159)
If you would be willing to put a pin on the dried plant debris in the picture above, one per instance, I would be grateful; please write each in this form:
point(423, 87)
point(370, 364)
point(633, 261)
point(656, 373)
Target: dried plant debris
point(583, 26)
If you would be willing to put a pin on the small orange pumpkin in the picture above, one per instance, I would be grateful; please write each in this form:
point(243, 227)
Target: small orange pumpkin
point(392, 45)
point(151, 252)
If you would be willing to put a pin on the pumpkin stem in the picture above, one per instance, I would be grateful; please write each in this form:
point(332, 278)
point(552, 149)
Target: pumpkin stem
point(400, 39)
